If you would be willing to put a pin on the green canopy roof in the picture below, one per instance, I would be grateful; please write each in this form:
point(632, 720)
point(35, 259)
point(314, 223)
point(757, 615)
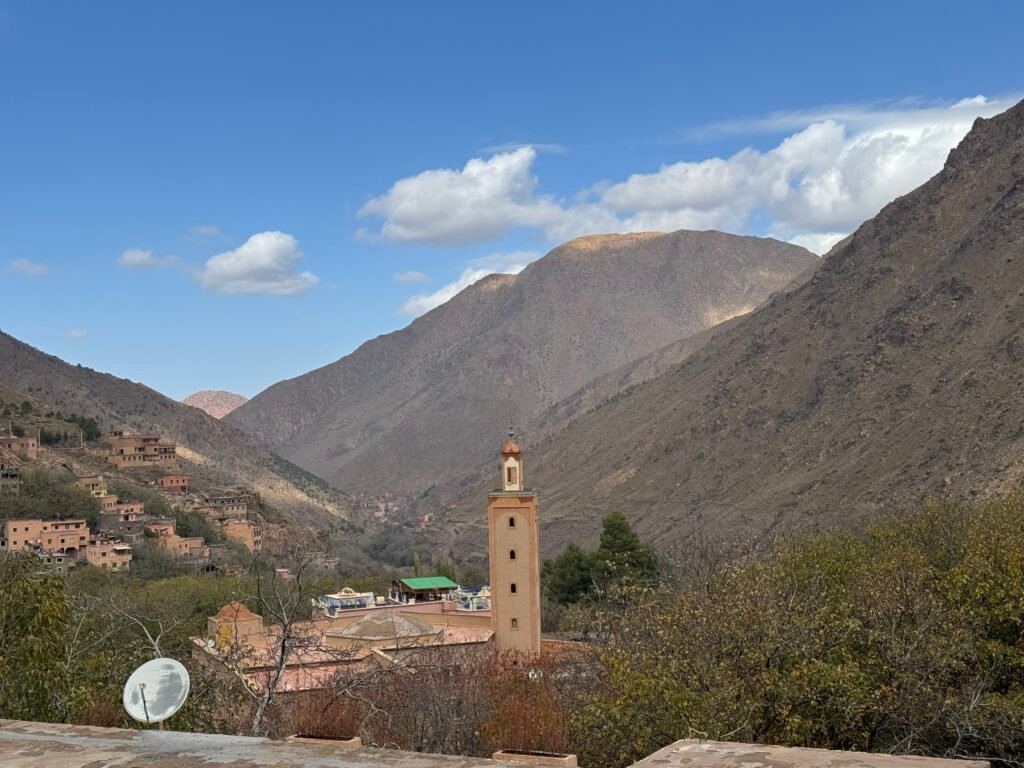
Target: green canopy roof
point(430, 582)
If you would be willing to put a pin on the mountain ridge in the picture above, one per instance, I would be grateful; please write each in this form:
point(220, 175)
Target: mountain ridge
point(412, 408)
point(216, 402)
point(892, 374)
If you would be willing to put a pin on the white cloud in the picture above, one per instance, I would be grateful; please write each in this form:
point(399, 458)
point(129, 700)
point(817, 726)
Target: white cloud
point(859, 116)
point(409, 278)
point(506, 262)
point(136, 258)
point(265, 263)
point(424, 302)
point(511, 146)
point(206, 230)
point(77, 334)
point(819, 243)
point(26, 267)
point(482, 201)
point(838, 167)
point(511, 263)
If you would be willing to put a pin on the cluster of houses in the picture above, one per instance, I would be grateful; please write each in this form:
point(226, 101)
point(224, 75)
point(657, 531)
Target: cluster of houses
point(61, 545)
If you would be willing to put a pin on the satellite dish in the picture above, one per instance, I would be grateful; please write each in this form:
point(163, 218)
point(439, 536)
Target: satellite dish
point(156, 690)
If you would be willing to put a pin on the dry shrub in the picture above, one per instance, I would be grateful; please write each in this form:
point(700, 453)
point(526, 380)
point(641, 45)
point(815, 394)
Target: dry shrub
point(526, 711)
point(106, 713)
point(323, 715)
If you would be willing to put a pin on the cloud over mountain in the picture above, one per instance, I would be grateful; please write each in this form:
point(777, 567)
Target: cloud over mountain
point(482, 201)
point(501, 263)
point(837, 168)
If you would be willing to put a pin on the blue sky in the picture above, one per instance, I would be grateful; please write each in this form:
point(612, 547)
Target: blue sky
point(222, 195)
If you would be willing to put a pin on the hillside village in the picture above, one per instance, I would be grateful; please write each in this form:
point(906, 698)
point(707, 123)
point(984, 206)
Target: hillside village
point(62, 543)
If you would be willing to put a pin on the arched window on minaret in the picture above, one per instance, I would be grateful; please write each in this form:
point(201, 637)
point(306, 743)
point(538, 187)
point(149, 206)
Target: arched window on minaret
point(512, 464)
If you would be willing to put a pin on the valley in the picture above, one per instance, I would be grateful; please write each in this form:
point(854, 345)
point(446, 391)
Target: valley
point(624, 387)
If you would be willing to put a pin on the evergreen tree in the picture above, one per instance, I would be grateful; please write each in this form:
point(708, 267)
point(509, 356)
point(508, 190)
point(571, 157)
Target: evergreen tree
point(621, 555)
point(569, 577)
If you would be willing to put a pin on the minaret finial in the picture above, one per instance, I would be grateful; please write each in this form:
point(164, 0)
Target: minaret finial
point(511, 431)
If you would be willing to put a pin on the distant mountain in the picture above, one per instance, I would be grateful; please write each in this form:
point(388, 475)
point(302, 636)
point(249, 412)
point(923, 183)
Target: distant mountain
point(895, 372)
point(408, 410)
point(215, 402)
point(221, 452)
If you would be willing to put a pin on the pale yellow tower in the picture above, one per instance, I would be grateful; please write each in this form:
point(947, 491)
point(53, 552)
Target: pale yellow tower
point(515, 557)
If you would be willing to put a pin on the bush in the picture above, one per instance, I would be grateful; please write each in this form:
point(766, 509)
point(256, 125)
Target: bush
point(908, 638)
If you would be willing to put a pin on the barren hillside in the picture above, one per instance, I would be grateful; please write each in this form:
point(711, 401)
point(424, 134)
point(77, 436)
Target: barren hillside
point(408, 410)
point(893, 373)
point(216, 402)
point(209, 445)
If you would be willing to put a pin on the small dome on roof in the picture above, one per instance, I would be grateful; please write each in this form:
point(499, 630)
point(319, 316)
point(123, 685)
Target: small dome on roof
point(386, 625)
point(234, 611)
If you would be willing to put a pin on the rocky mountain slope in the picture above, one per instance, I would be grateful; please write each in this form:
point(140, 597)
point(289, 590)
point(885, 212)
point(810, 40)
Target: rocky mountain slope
point(216, 402)
point(895, 372)
point(407, 410)
point(205, 444)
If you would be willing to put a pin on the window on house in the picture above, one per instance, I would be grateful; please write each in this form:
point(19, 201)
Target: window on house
point(512, 521)
point(515, 624)
point(511, 554)
point(513, 588)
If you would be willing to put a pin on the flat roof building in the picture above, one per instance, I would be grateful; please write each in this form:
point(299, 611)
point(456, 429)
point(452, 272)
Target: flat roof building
point(25, 447)
point(10, 479)
point(173, 483)
point(96, 485)
point(50, 535)
point(109, 554)
point(423, 589)
point(128, 450)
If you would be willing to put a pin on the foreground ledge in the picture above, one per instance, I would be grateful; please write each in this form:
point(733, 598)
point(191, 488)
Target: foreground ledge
point(48, 745)
point(693, 753)
point(555, 759)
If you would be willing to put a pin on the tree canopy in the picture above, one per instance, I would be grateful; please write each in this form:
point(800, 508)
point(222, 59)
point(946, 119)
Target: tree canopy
point(620, 557)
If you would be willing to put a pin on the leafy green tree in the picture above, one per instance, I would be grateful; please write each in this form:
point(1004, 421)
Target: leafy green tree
point(34, 614)
point(26, 408)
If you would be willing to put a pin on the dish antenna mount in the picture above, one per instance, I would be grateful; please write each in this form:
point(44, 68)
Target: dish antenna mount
point(156, 690)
